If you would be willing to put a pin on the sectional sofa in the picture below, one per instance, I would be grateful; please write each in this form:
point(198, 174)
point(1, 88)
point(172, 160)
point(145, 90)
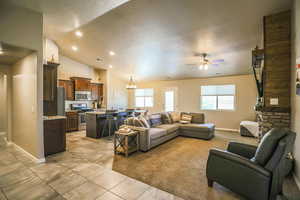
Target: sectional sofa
point(159, 130)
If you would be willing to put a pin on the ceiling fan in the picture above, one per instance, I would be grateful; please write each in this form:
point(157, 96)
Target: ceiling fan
point(205, 62)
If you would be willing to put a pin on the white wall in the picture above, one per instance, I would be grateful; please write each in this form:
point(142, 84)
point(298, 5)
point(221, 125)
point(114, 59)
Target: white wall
point(51, 51)
point(24, 104)
point(71, 68)
point(24, 28)
point(117, 94)
point(189, 98)
point(295, 100)
point(3, 103)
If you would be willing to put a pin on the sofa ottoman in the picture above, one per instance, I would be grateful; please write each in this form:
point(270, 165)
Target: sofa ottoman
point(202, 131)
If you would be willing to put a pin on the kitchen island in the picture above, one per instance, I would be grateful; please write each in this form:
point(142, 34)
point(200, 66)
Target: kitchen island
point(97, 122)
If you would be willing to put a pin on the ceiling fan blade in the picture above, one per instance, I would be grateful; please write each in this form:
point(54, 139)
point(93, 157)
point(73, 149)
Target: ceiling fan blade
point(218, 61)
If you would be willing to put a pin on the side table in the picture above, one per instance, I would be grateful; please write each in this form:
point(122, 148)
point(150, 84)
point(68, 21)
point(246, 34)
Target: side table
point(126, 143)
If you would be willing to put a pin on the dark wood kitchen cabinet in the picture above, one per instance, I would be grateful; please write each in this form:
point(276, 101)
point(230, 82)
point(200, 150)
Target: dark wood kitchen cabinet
point(50, 88)
point(54, 136)
point(81, 84)
point(69, 89)
point(72, 121)
point(97, 91)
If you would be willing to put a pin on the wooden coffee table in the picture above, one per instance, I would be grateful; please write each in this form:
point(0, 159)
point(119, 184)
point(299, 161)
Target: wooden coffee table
point(126, 143)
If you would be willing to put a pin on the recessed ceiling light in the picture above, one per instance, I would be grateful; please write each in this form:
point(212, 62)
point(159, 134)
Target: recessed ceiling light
point(112, 53)
point(110, 66)
point(78, 33)
point(74, 48)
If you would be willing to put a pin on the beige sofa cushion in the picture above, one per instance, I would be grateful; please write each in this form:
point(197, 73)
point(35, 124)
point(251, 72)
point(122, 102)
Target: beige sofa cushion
point(175, 116)
point(155, 133)
point(197, 127)
point(170, 128)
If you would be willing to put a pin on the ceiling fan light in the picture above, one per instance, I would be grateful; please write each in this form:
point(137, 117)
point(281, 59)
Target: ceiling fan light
point(206, 67)
point(200, 67)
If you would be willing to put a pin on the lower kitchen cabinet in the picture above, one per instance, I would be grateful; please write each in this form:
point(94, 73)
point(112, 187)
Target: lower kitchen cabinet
point(54, 136)
point(72, 121)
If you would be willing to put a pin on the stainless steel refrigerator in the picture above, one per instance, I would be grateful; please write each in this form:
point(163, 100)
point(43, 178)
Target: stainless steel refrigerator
point(61, 101)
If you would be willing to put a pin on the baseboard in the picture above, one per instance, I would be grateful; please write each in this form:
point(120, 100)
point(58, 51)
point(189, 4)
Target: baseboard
point(228, 129)
point(297, 181)
point(32, 157)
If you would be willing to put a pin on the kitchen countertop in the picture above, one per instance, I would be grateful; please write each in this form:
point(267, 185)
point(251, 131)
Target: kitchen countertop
point(56, 117)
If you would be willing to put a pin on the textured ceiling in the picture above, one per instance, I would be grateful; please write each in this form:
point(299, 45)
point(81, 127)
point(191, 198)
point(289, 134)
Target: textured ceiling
point(157, 39)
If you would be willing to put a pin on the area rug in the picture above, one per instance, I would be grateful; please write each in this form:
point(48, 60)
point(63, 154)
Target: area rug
point(179, 166)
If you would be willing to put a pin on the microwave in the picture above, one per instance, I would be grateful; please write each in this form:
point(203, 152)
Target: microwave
point(83, 95)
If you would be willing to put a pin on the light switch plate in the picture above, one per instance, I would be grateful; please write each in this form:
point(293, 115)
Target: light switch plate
point(274, 101)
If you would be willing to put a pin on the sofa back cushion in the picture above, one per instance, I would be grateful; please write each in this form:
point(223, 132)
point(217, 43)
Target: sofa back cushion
point(268, 145)
point(198, 118)
point(166, 118)
point(155, 120)
point(175, 116)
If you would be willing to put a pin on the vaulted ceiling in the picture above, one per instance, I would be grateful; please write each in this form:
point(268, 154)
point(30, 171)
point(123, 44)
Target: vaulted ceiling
point(158, 39)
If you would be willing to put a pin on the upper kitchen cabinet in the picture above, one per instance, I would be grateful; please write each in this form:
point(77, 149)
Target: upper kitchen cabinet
point(50, 88)
point(82, 84)
point(50, 84)
point(97, 90)
point(69, 89)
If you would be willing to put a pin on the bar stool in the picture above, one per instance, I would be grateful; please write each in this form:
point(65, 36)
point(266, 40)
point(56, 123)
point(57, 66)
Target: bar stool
point(110, 122)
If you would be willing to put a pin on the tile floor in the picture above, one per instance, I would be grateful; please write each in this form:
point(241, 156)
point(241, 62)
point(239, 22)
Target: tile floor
point(82, 172)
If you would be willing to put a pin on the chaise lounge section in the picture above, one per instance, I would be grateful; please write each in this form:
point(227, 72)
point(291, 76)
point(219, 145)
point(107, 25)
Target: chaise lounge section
point(162, 127)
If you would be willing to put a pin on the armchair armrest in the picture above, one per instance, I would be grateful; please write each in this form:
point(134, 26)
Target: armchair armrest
point(239, 174)
point(245, 150)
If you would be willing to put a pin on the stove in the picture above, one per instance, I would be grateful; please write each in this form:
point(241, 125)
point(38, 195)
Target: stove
point(82, 108)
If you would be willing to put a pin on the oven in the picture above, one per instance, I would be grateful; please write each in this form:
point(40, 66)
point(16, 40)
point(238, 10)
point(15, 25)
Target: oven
point(81, 108)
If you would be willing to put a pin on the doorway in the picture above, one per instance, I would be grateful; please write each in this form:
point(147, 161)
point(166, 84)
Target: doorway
point(170, 99)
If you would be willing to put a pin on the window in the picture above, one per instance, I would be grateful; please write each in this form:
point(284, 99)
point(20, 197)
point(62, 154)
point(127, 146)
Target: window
point(217, 97)
point(144, 98)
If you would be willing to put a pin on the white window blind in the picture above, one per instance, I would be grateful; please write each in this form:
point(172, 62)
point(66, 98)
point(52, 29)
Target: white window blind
point(218, 97)
point(144, 97)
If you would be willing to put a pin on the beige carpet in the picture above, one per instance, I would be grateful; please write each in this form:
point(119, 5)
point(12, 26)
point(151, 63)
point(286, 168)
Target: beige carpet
point(179, 166)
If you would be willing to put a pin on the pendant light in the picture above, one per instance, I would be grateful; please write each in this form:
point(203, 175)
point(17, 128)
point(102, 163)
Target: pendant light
point(131, 85)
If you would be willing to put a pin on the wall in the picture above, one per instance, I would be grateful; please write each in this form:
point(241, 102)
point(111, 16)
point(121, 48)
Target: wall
point(295, 100)
point(71, 68)
point(24, 28)
point(24, 104)
point(189, 98)
point(117, 94)
point(3, 103)
point(51, 51)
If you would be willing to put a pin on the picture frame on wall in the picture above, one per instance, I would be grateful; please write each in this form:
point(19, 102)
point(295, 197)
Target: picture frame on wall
point(298, 76)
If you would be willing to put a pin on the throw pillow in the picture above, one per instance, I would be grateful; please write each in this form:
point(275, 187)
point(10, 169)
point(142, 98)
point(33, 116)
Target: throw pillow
point(183, 122)
point(175, 116)
point(187, 118)
point(166, 118)
point(144, 121)
point(137, 122)
point(155, 120)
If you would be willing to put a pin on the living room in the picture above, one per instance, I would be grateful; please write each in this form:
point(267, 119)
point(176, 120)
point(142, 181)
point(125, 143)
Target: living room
point(149, 99)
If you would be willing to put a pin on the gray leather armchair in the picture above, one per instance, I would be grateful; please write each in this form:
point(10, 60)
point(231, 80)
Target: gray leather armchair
point(253, 172)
